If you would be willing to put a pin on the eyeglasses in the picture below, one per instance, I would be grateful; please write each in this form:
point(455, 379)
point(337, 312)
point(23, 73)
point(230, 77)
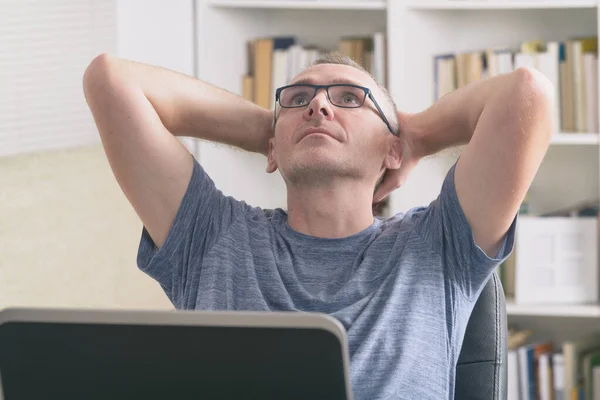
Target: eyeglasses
point(340, 95)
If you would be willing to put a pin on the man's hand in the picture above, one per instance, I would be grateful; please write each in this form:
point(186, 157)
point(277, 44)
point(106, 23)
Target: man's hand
point(411, 154)
point(506, 124)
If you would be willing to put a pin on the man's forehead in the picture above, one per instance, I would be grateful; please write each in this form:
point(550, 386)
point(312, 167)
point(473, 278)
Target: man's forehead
point(324, 74)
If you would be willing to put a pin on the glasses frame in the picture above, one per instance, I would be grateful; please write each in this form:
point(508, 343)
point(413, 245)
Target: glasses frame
point(366, 90)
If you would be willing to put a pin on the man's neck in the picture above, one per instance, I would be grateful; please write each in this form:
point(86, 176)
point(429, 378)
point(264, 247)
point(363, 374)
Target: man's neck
point(334, 211)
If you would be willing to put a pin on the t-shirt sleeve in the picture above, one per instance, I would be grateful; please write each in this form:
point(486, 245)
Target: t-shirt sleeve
point(445, 227)
point(204, 214)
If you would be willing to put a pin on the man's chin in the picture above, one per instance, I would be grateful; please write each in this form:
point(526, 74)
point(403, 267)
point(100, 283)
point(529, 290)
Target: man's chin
point(317, 169)
point(326, 155)
point(316, 159)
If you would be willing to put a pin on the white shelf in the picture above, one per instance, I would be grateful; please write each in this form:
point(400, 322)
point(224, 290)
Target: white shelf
point(583, 310)
point(575, 138)
point(303, 4)
point(499, 4)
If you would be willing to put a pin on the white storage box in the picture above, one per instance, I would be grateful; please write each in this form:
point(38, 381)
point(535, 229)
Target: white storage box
point(556, 260)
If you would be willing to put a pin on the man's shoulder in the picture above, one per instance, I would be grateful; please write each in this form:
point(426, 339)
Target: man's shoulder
point(404, 219)
point(401, 225)
point(265, 215)
point(261, 219)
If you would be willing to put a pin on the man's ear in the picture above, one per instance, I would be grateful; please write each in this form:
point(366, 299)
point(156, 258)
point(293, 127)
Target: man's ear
point(393, 159)
point(271, 164)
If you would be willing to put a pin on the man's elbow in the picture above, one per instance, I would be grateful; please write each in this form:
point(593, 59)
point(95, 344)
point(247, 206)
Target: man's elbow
point(97, 75)
point(534, 95)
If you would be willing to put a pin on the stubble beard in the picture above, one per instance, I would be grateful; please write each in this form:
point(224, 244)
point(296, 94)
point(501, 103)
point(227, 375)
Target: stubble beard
point(320, 172)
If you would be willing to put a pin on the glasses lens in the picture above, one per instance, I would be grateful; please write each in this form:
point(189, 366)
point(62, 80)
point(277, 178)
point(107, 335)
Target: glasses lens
point(346, 96)
point(296, 96)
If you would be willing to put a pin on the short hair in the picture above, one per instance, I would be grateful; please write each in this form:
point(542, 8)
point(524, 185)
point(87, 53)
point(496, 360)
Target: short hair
point(335, 57)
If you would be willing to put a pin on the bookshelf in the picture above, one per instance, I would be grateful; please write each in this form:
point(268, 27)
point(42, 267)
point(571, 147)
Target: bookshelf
point(575, 138)
point(556, 310)
point(303, 4)
point(417, 31)
point(499, 5)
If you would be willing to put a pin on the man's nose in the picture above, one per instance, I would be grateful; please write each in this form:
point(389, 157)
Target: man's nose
point(319, 106)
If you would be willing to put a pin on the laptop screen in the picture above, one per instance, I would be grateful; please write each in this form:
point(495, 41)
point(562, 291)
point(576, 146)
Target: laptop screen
point(103, 361)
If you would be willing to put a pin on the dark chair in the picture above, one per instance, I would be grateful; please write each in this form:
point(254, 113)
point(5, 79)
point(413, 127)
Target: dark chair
point(482, 365)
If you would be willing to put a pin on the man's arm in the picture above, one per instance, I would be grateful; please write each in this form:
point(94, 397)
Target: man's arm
point(506, 122)
point(139, 109)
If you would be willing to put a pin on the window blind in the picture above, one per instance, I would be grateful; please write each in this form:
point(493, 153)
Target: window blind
point(45, 46)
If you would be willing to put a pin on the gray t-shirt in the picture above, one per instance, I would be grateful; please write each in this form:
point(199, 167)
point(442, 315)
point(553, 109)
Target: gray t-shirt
point(403, 288)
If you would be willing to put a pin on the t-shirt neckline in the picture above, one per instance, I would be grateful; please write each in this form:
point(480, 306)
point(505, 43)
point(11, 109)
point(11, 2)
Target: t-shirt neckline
point(299, 236)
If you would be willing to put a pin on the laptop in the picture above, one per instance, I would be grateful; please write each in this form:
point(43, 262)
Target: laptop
point(124, 354)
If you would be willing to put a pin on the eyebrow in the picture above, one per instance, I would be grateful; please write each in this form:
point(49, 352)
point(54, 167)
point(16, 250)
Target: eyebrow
point(309, 81)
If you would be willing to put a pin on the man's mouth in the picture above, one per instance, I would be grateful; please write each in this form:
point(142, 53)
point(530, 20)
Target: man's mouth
point(318, 131)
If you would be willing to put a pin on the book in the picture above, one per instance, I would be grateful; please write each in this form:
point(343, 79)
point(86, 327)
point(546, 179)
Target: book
point(571, 65)
point(272, 62)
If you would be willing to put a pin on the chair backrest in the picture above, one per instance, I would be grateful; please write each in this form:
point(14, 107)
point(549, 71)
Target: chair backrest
point(481, 372)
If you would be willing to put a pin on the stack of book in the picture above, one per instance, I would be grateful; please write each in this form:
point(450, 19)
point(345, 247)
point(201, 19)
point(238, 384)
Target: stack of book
point(273, 62)
point(543, 370)
point(571, 65)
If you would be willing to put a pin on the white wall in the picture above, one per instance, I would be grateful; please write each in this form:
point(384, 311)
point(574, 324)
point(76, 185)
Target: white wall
point(157, 32)
point(68, 236)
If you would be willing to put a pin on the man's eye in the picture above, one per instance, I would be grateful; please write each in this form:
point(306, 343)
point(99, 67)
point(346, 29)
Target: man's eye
point(299, 100)
point(350, 99)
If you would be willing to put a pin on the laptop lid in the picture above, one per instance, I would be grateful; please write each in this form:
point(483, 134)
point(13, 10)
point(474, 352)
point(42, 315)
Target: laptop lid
point(102, 354)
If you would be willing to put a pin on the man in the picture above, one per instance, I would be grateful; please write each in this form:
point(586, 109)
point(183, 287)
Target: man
point(402, 287)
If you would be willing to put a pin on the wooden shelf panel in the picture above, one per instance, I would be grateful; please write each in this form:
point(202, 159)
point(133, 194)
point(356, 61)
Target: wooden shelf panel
point(575, 138)
point(579, 311)
point(303, 4)
point(499, 4)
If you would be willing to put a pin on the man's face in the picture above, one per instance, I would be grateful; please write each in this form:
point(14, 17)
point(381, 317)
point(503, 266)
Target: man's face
point(320, 142)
